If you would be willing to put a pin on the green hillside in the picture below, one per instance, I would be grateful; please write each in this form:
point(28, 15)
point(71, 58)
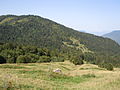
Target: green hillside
point(43, 33)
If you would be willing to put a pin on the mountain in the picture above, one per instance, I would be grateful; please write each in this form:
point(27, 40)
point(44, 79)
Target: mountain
point(114, 35)
point(42, 32)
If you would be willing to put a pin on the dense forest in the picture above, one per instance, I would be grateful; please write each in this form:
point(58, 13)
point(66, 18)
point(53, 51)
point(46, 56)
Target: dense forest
point(49, 41)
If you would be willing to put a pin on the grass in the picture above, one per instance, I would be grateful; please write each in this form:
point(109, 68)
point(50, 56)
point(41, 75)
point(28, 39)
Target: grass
point(41, 77)
point(12, 67)
point(65, 68)
point(29, 72)
point(6, 20)
point(69, 79)
point(92, 69)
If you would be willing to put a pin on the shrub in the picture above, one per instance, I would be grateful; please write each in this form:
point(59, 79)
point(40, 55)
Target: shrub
point(43, 52)
point(101, 65)
point(33, 58)
point(44, 59)
point(108, 66)
point(90, 57)
point(11, 60)
point(23, 59)
point(9, 46)
point(77, 60)
point(2, 60)
point(30, 49)
point(10, 55)
point(57, 59)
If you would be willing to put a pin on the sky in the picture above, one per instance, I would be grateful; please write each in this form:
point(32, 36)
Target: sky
point(91, 16)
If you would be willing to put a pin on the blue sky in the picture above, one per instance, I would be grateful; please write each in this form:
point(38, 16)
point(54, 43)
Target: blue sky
point(93, 16)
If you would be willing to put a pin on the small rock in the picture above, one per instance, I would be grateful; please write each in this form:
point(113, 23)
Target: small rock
point(57, 70)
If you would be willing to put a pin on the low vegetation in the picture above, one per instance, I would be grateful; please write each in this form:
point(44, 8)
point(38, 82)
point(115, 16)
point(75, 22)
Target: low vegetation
point(40, 76)
point(108, 66)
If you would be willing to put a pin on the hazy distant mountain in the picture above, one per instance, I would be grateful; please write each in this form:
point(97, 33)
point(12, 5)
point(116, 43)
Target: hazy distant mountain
point(114, 35)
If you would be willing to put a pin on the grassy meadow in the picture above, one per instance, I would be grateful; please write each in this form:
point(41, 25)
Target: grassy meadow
point(40, 76)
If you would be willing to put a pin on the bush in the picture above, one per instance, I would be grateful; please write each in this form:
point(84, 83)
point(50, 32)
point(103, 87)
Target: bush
point(2, 60)
point(89, 57)
point(33, 58)
point(44, 59)
point(9, 46)
point(101, 65)
point(108, 66)
point(10, 55)
point(11, 60)
point(23, 59)
point(77, 60)
point(57, 59)
point(30, 49)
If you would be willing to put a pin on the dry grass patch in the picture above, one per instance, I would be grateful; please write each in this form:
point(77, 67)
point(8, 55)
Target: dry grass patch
point(40, 77)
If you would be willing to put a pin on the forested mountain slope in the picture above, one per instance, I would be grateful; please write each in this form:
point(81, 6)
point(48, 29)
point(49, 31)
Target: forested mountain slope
point(41, 32)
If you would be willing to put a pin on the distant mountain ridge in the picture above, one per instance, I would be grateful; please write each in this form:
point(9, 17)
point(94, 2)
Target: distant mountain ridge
point(114, 35)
